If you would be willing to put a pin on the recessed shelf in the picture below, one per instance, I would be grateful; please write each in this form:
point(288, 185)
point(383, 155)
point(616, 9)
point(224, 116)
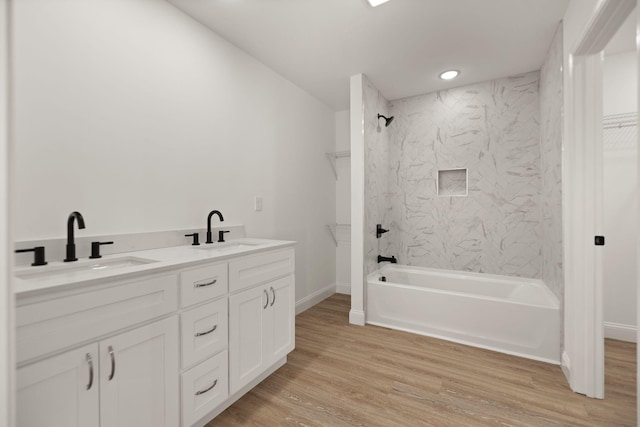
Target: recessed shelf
point(452, 182)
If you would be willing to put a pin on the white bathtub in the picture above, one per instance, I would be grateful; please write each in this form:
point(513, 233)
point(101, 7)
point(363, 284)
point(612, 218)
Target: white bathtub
point(508, 314)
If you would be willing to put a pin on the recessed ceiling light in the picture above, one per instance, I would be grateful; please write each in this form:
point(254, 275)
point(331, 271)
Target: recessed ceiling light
point(375, 3)
point(450, 74)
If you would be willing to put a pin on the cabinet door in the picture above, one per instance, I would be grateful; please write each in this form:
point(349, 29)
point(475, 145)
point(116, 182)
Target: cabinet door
point(282, 324)
point(246, 355)
point(139, 377)
point(61, 391)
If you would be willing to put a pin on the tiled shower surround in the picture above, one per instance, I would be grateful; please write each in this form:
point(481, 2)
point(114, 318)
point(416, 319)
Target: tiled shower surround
point(493, 130)
point(507, 135)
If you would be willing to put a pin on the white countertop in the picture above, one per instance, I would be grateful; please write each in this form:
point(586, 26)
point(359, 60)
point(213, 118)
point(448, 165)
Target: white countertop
point(56, 276)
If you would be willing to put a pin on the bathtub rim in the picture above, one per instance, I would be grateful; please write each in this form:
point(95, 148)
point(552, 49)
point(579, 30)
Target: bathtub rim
point(554, 303)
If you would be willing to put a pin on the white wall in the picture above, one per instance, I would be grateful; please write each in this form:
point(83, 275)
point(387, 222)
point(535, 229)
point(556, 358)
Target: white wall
point(343, 204)
point(356, 120)
point(551, 103)
point(620, 200)
point(6, 298)
point(343, 184)
point(620, 83)
point(142, 119)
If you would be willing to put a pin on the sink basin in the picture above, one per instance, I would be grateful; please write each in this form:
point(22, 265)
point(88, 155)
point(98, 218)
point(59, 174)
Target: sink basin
point(79, 267)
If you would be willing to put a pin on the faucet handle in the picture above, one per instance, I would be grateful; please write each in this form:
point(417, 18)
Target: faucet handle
point(380, 231)
point(196, 238)
point(95, 249)
point(39, 258)
point(221, 235)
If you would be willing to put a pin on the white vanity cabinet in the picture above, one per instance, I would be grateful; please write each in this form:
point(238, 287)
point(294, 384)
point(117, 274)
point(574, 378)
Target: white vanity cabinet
point(167, 348)
point(262, 317)
point(119, 376)
point(139, 377)
point(126, 380)
point(61, 391)
point(204, 339)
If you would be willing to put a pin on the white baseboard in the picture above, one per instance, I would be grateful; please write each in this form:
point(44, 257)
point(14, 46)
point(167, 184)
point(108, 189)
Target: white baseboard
point(343, 288)
point(316, 297)
point(356, 317)
point(620, 332)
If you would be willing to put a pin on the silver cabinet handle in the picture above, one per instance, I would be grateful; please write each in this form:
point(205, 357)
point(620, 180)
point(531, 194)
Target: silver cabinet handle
point(198, 393)
point(274, 296)
point(202, 285)
point(266, 303)
point(199, 334)
point(90, 362)
point(113, 362)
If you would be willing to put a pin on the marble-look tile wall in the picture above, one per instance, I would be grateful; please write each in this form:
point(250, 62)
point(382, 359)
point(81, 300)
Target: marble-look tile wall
point(551, 166)
point(491, 129)
point(376, 151)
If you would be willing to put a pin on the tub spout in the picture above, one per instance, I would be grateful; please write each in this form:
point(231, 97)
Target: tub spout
point(392, 260)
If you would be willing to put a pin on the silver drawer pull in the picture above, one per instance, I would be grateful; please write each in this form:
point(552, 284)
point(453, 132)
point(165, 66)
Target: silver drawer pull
point(198, 393)
point(90, 362)
point(113, 362)
point(202, 285)
point(199, 334)
point(266, 304)
point(274, 296)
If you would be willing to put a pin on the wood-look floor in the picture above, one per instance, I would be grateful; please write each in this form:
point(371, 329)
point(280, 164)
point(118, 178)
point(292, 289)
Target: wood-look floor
point(345, 375)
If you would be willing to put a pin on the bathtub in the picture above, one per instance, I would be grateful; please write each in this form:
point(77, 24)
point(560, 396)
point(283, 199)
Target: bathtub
point(511, 315)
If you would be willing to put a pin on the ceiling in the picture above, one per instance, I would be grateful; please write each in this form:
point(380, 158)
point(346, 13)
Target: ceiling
point(401, 45)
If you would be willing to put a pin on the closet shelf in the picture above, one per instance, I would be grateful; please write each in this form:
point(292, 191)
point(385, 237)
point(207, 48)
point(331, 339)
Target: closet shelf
point(333, 228)
point(337, 155)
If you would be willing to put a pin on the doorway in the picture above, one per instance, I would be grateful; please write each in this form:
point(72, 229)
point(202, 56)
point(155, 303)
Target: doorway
point(583, 196)
point(620, 209)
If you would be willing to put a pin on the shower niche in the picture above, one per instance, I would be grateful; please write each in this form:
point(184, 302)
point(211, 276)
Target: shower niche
point(452, 182)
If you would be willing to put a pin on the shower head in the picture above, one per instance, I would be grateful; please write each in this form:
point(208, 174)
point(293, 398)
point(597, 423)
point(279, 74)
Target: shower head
point(387, 120)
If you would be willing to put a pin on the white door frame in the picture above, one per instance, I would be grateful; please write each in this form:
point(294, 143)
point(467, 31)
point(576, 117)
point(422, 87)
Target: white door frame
point(7, 372)
point(583, 358)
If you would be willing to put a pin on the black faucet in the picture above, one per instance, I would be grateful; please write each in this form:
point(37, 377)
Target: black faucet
point(221, 235)
point(39, 258)
point(392, 260)
point(71, 246)
point(95, 249)
point(214, 212)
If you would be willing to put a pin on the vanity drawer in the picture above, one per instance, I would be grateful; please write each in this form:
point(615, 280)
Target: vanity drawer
point(204, 331)
point(260, 268)
point(59, 322)
point(204, 387)
point(202, 283)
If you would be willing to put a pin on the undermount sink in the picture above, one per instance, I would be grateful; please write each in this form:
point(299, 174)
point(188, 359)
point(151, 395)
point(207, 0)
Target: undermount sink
point(84, 266)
